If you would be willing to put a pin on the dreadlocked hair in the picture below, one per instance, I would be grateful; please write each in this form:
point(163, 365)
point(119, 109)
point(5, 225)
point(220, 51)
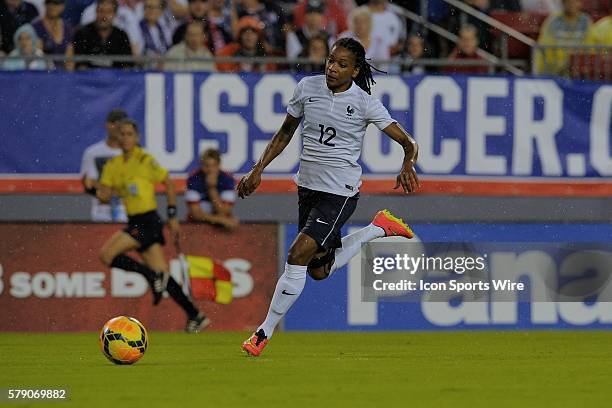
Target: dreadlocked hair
point(364, 78)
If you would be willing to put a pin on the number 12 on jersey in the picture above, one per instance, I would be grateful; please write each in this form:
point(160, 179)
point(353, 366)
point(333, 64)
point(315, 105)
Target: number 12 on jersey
point(329, 131)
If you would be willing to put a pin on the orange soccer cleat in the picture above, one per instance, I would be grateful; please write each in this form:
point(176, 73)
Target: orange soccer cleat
point(255, 344)
point(392, 225)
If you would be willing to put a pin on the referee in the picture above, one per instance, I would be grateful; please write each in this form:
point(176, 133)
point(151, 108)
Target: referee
point(132, 176)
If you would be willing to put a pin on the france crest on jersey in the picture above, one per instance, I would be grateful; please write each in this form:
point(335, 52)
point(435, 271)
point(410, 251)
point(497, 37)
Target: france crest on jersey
point(334, 126)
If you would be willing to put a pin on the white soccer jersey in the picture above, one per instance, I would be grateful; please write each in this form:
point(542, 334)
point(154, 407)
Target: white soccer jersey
point(94, 158)
point(333, 129)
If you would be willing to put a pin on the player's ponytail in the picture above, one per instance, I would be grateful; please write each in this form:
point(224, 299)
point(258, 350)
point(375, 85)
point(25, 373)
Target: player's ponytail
point(364, 78)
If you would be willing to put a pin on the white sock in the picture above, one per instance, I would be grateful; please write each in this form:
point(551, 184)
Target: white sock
point(288, 289)
point(351, 245)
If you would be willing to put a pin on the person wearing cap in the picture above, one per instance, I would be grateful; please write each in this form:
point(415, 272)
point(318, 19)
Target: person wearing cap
point(334, 15)
point(94, 158)
point(274, 22)
point(55, 34)
point(299, 39)
point(250, 44)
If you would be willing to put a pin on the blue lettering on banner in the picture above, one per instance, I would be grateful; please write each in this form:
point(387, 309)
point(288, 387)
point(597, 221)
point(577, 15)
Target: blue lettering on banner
point(466, 126)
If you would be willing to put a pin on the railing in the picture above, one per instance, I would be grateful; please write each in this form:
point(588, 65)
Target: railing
point(573, 61)
point(282, 64)
point(505, 63)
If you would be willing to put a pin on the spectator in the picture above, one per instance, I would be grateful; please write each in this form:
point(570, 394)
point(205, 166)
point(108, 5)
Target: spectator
point(197, 11)
point(127, 18)
point(541, 6)
point(567, 28)
point(387, 26)
point(193, 46)
point(154, 37)
point(94, 159)
point(210, 193)
point(222, 23)
point(14, 14)
point(335, 21)
point(26, 47)
point(298, 40)
point(54, 33)
point(360, 29)
point(459, 19)
point(416, 48)
point(250, 44)
point(273, 19)
point(601, 32)
point(466, 49)
point(102, 38)
point(316, 51)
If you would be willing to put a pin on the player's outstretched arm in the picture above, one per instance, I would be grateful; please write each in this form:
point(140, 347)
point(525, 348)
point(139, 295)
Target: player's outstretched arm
point(281, 139)
point(407, 178)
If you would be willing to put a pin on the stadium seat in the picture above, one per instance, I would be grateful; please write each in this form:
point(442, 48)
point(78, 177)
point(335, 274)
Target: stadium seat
point(590, 66)
point(596, 8)
point(525, 23)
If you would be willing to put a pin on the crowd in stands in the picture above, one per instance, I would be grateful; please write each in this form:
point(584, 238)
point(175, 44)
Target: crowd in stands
point(187, 33)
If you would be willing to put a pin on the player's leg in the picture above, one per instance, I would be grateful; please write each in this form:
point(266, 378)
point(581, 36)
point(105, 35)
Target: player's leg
point(383, 224)
point(292, 281)
point(113, 255)
point(288, 289)
point(154, 258)
point(321, 215)
point(119, 243)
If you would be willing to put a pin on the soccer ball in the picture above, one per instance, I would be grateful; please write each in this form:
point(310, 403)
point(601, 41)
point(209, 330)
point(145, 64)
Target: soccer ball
point(123, 340)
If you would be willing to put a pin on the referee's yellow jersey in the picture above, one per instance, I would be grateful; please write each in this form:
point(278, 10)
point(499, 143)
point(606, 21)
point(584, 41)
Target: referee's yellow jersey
point(134, 180)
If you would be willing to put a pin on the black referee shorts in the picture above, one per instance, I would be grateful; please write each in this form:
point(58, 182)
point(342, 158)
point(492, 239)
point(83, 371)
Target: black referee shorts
point(322, 215)
point(147, 229)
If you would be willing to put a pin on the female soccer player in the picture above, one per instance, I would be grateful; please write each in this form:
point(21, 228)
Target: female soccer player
point(132, 176)
point(336, 107)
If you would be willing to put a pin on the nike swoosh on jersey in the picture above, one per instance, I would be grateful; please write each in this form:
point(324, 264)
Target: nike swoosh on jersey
point(322, 222)
point(284, 292)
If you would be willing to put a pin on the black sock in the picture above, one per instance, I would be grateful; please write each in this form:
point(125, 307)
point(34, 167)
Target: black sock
point(130, 264)
point(175, 290)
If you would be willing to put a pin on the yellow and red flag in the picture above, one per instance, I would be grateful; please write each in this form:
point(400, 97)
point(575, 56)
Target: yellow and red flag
point(209, 279)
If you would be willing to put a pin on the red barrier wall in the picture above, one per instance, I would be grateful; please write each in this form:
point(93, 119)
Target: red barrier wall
point(51, 278)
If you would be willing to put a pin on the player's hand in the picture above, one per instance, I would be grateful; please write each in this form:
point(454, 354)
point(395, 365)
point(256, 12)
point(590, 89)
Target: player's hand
point(249, 183)
point(408, 179)
point(175, 229)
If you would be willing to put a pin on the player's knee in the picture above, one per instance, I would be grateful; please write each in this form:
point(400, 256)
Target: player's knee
point(317, 273)
point(296, 257)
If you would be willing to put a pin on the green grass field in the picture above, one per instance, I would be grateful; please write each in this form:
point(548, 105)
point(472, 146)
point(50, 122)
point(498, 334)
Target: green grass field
point(475, 369)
